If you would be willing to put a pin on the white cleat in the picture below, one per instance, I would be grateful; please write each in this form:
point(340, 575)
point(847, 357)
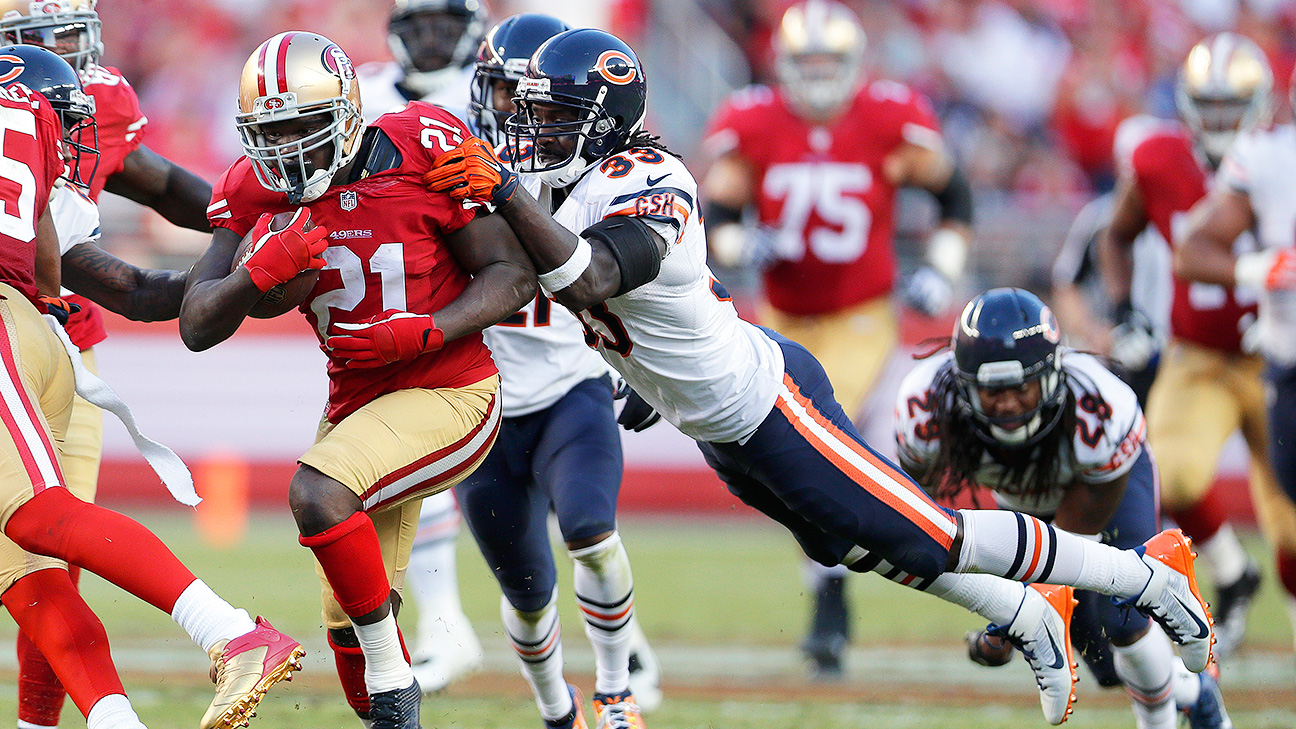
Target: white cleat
point(645, 673)
point(448, 649)
point(1172, 599)
point(1041, 631)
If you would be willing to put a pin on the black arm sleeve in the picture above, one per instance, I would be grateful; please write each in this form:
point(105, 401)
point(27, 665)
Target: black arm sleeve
point(634, 246)
point(717, 214)
point(955, 199)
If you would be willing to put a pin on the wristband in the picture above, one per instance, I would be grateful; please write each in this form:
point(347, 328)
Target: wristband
point(566, 274)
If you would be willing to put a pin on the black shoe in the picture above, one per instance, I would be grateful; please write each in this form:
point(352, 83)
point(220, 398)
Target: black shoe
point(396, 709)
point(829, 629)
point(1230, 609)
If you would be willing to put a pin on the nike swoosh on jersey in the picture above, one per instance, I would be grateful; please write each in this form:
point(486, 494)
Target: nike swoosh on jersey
point(652, 182)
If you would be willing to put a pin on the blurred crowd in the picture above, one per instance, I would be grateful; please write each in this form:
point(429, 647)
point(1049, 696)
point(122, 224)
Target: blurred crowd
point(1029, 91)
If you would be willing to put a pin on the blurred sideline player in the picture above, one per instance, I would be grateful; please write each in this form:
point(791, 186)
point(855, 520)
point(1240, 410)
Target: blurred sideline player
point(1061, 438)
point(125, 167)
point(558, 449)
point(760, 406)
point(1208, 385)
point(407, 282)
point(820, 158)
point(40, 516)
point(1255, 191)
point(1080, 299)
point(434, 43)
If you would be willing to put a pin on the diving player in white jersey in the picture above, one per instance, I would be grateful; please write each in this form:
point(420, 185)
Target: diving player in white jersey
point(1255, 191)
point(626, 250)
point(558, 449)
point(434, 43)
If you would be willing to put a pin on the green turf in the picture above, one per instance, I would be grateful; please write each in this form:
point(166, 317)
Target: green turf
point(698, 583)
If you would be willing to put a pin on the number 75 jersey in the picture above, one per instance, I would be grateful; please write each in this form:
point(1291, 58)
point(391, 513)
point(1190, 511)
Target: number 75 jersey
point(387, 250)
point(820, 190)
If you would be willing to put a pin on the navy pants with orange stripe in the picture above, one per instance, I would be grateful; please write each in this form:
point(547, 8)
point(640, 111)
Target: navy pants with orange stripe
point(781, 472)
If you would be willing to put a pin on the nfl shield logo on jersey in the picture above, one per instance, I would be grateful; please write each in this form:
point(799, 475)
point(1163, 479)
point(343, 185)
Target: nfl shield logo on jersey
point(349, 200)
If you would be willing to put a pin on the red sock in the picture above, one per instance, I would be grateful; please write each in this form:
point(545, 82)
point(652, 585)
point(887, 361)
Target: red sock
point(48, 609)
point(57, 524)
point(40, 693)
point(350, 667)
point(1201, 520)
point(353, 562)
point(1287, 571)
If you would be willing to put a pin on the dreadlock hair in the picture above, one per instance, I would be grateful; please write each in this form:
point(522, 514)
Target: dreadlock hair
point(642, 139)
point(963, 445)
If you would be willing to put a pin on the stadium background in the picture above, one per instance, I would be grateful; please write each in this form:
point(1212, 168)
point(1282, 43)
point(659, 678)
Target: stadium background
point(1035, 139)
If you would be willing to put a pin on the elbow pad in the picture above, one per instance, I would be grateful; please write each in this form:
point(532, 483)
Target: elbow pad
point(955, 199)
point(633, 245)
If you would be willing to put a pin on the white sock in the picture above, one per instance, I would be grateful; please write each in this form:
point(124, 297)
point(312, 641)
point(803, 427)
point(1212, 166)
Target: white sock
point(207, 618)
point(385, 666)
point(993, 598)
point(537, 639)
point(1146, 668)
point(1187, 685)
point(605, 594)
point(1228, 559)
point(113, 711)
point(1025, 549)
point(28, 725)
point(432, 578)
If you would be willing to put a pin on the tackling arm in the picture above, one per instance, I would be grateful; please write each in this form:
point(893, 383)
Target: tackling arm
point(135, 293)
point(503, 279)
point(154, 181)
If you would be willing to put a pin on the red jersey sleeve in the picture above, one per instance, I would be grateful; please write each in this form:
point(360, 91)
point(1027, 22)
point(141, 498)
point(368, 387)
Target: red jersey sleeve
point(423, 132)
point(120, 124)
point(238, 199)
point(737, 124)
point(907, 113)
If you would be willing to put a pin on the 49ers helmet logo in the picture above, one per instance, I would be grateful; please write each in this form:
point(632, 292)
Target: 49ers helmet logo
point(11, 67)
point(274, 102)
point(337, 62)
point(616, 67)
point(51, 8)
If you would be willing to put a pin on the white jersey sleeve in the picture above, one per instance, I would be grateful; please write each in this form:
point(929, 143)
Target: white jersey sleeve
point(677, 340)
point(917, 440)
point(76, 217)
point(1259, 165)
point(1110, 431)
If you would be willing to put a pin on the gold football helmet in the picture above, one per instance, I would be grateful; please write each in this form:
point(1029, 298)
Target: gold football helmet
point(1225, 87)
point(818, 56)
point(70, 28)
point(298, 75)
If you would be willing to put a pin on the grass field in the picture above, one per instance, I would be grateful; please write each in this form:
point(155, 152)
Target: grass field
point(722, 602)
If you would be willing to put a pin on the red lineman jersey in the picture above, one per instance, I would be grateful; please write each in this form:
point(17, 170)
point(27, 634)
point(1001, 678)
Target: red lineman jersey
point(1158, 155)
point(120, 126)
point(821, 191)
point(31, 134)
point(386, 251)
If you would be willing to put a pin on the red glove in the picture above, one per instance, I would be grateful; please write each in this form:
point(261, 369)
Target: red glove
point(392, 336)
point(471, 171)
point(279, 255)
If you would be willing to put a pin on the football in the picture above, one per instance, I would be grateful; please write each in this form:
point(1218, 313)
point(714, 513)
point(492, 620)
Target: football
point(285, 297)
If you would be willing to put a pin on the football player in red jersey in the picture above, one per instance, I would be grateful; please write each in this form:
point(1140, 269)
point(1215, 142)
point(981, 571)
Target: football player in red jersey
point(408, 280)
point(820, 158)
point(42, 521)
point(1208, 384)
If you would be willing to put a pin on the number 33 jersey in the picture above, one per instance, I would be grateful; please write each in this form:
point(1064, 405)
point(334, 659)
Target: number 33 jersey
point(821, 191)
point(677, 339)
point(1109, 431)
point(386, 250)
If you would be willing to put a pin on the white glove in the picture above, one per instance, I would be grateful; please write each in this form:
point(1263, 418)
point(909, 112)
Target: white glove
point(1267, 270)
point(1133, 343)
point(929, 292)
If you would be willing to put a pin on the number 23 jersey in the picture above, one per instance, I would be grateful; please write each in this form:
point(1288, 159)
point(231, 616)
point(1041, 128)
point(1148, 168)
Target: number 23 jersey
point(1109, 430)
point(821, 189)
point(386, 251)
point(677, 339)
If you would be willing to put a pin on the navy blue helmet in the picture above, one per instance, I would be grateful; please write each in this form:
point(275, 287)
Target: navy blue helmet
point(1007, 338)
point(503, 58)
point(596, 84)
point(49, 75)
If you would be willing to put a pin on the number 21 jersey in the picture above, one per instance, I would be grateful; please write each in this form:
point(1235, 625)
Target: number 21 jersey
point(821, 192)
point(386, 251)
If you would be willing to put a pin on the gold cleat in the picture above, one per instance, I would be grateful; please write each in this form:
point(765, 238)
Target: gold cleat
point(244, 669)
